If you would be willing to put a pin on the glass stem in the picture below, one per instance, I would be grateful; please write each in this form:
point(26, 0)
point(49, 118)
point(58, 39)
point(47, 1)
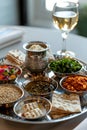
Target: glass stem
point(64, 37)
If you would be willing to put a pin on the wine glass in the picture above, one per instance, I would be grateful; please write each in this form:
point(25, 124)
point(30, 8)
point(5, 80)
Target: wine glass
point(65, 17)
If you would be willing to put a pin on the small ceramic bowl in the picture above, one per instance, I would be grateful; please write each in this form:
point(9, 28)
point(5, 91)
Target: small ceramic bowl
point(32, 108)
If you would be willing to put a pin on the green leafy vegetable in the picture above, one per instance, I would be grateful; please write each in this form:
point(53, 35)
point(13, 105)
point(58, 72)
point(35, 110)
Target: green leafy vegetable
point(65, 65)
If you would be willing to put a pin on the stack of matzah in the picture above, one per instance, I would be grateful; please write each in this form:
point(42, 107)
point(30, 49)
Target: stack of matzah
point(32, 110)
point(63, 104)
point(16, 56)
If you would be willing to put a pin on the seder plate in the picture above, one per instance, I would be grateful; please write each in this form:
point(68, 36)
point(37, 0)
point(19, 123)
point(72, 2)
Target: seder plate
point(8, 114)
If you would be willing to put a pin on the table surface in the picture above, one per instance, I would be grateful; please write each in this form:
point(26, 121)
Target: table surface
point(52, 37)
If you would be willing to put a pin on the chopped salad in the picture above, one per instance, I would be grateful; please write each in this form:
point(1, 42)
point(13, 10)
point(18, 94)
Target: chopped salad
point(9, 72)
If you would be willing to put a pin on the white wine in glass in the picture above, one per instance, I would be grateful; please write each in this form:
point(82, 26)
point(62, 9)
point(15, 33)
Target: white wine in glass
point(65, 17)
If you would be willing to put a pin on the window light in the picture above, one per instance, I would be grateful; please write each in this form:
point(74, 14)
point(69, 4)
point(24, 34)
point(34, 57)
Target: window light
point(49, 3)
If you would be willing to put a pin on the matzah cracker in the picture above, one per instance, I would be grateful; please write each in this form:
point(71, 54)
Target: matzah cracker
point(31, 110)
point(30, 106)
point(66, 103)
point(35, 113)
point(58, 115)
point(16, 57)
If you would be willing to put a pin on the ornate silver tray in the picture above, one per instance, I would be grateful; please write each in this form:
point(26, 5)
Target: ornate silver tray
point(8, 114)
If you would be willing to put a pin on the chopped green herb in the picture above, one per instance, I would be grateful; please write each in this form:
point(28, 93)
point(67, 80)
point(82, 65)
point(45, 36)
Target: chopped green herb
point(65, 65)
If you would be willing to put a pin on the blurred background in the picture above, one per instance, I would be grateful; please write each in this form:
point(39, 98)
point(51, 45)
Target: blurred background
point(37, 13)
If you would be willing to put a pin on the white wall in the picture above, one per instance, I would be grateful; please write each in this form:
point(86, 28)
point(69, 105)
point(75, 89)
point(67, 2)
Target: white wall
point(9, 12)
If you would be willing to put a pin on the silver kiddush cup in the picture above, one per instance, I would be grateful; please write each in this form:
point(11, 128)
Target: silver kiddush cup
point(36, 60)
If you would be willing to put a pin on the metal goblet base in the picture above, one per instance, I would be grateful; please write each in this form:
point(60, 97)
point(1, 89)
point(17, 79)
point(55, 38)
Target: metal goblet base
point(61, 54)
